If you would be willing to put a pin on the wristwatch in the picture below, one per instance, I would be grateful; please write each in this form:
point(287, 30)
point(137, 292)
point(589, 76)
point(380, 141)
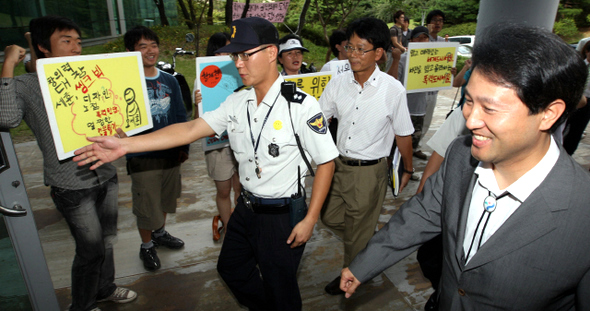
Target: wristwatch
point(410, 172)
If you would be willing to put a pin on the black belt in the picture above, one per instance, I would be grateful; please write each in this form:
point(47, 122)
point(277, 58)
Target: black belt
point(355, 162)
point(265, 206)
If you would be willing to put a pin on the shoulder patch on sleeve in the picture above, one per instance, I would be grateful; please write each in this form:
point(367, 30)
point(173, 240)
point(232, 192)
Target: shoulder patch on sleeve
point(317, 124)
point(298, 97)
point(243, 87)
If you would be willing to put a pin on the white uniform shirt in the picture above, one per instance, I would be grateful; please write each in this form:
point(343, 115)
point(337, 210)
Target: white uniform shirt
point(453, 127)
point(278, 174)
point(518, 191)
point(437, 39)
point(369, 117)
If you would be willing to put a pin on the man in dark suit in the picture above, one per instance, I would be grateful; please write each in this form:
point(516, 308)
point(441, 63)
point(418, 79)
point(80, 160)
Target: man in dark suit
point(511, 205)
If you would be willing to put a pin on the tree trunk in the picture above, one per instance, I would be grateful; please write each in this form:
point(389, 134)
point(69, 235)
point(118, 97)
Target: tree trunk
point(229, 11)
point(302, 17)
point(210, 13)
point(187, 18)
point(246, 7)
point(191, 9)
point(162, 11)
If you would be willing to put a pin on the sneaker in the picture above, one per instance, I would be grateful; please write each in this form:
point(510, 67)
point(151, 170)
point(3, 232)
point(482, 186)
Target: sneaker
point(120, 295)
point(168, 241)
point(150, 258)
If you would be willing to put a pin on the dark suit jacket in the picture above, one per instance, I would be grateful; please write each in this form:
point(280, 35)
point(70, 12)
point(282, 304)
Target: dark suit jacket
point(539, 259)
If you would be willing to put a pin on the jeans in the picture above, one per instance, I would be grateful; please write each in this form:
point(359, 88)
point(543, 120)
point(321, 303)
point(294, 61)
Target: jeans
point(91, 215)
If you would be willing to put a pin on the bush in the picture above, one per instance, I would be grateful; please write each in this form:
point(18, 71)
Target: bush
point(310, 33)
point(566, 29)
point(459, 30)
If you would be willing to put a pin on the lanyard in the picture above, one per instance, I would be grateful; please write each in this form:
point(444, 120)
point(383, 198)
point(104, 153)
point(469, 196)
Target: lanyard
point(255, 143)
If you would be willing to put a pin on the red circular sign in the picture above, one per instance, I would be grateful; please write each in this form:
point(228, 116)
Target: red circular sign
point(210, 76)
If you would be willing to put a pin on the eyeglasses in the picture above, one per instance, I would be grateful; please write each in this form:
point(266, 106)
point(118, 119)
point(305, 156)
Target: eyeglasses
point(437, 20)
point(245, 56)
point(357, 51)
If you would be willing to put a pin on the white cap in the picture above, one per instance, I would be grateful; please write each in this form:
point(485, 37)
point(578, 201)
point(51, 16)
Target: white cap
point(291, 44)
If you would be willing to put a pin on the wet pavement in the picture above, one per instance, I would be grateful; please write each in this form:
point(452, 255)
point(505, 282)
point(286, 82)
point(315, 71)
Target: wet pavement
point(188, 279)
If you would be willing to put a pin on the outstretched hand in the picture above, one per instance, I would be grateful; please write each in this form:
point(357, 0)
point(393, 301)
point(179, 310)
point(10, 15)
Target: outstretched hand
point(105, 149)
point(348, 282)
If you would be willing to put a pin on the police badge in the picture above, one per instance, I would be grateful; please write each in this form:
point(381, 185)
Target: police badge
point(273, 150)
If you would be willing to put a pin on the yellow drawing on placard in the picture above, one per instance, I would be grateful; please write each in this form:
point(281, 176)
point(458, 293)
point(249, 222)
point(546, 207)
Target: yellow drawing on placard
point(94, 97)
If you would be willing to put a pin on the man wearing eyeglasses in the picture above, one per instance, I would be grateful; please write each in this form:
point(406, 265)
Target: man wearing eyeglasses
point(261, 251)
point(372, 112)
point(435, 21)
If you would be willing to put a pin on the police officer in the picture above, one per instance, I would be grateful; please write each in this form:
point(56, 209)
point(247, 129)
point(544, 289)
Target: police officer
point(262, 125)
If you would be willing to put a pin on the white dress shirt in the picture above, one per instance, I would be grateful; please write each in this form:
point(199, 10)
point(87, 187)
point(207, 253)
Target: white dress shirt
point(369, 116)
point(518, 192)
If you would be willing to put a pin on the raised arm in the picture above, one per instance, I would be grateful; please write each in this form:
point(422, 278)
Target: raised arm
point(459, 80)
point(13, 54)
point(107, 149)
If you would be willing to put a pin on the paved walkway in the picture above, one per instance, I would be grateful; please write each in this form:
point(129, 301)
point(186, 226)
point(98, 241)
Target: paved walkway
point(188, 279)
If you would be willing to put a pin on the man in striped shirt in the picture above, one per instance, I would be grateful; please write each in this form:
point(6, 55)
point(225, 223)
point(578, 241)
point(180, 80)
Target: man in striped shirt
point(88, 200)
point(372, 112)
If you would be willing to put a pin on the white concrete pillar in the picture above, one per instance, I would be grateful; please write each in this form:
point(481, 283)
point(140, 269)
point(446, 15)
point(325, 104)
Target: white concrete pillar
point(540, 13)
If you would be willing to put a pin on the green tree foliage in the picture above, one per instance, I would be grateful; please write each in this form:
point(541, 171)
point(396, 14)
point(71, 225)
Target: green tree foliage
point(459, 30)
point(458, 11)
point(566, 29)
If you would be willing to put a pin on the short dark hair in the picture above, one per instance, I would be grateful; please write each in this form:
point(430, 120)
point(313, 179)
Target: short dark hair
point(134, 35)
point(216, 42)
point(336, 37)
point(42, 28)
point(535, 63)
point(371, 29)
point(434, 13)
point(397, 15)
point(406, 18)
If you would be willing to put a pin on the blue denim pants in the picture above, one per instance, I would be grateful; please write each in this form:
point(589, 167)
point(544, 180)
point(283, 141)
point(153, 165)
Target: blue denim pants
point(91, 215)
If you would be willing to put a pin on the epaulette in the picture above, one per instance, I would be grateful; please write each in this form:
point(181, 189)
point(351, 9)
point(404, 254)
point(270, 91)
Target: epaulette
point(298, 97)
point(243, 87)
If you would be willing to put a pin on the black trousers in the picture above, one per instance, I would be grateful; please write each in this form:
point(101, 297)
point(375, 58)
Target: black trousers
point(430, 258)
point(255, 245)
point(575, 126)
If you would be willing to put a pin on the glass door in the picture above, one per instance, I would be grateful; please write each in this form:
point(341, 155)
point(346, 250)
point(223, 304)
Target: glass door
point(25, 283)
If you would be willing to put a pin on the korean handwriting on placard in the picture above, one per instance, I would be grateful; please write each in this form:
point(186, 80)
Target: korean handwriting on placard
point(434, 66)
point(74, 85)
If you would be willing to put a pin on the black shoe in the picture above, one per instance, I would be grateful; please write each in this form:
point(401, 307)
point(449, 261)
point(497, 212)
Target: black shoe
point(420, 155)
point(333, 288)
point(432, 303)
point(168, 241)
point(150, 258)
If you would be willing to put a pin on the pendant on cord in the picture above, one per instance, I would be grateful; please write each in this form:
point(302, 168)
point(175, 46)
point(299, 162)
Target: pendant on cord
point(489, 203)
